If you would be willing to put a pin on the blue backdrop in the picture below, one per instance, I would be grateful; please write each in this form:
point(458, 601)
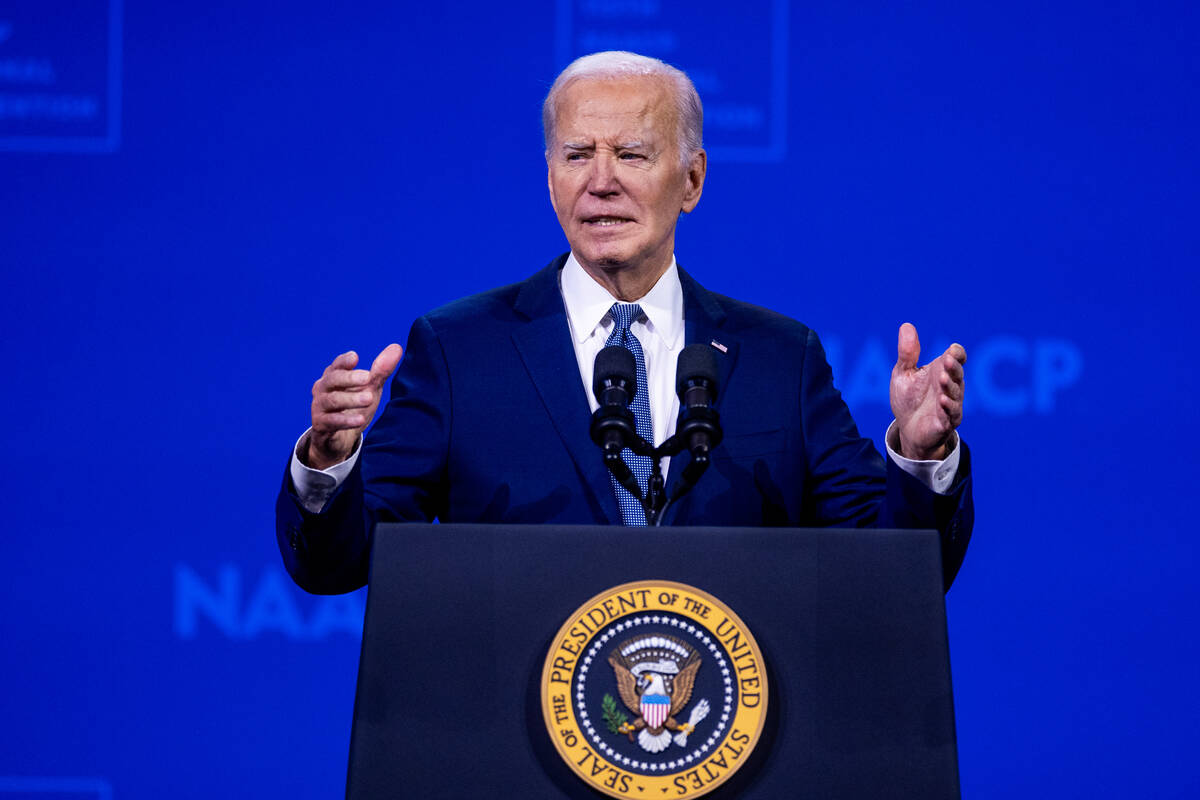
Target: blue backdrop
point(204, 202)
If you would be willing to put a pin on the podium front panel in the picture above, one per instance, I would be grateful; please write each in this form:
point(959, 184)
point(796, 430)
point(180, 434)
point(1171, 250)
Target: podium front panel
point(851, 626)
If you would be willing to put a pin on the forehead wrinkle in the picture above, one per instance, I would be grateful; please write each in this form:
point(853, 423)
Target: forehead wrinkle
point(623, 127)
point(609, 129)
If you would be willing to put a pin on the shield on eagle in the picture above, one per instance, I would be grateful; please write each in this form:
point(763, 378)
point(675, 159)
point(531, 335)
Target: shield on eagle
point(655, 709)
point(655, 675)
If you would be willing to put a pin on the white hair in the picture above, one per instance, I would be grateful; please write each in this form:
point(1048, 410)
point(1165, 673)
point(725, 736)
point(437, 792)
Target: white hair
point(617, 64)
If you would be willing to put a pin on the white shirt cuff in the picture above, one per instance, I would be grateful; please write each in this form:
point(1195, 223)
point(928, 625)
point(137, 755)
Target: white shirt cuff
point(314, 487)
point(937, 475)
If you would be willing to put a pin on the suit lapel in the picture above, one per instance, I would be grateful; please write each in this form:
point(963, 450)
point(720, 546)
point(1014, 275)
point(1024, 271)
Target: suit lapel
point(544, 344)
point(704, 319)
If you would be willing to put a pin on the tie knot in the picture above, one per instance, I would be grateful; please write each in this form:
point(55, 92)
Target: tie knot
point(624, 314)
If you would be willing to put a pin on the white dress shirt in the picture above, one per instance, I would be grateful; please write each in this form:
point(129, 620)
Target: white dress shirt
point(659, 330)
point(661, 334)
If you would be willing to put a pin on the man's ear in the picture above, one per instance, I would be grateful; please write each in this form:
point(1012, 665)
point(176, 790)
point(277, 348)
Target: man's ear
point(696, 170)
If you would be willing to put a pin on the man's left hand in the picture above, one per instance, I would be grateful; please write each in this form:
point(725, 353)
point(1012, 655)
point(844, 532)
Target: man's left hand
point(927, 401)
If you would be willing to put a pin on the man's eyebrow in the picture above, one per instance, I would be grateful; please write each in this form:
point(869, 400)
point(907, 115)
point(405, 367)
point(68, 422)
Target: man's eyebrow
point(588, 146)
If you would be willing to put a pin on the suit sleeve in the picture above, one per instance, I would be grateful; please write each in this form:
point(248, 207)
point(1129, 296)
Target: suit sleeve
point(849, 484)
point(400, 477)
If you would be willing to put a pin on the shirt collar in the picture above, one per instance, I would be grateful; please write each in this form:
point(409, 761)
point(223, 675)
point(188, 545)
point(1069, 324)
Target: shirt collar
point(587, 304)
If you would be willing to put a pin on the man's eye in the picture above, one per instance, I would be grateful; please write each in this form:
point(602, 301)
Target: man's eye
point(575, 156)
point(632, 156)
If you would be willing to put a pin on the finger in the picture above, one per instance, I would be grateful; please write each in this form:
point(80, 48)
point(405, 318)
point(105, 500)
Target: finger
point(952, 368)
point(951, 388)
point(957, 352)
point(908, 347)
point(345, 401)
point(340, 379)
point(347, 360)
point(385, 362)
point(953, 409)
point(327, 422)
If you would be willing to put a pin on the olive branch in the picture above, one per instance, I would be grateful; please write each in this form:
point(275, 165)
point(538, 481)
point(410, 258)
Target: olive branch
point(614, 718)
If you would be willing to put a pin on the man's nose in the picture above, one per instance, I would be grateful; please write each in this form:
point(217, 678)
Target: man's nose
point(603, 179)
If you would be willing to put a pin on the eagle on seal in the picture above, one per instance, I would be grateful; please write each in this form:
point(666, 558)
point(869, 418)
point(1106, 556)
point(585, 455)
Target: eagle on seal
point(655, 675)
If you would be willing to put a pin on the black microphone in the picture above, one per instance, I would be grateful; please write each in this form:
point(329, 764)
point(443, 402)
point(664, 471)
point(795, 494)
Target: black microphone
point(614, 383)
point(699, 425)
point(696, 375)
point(614, 378)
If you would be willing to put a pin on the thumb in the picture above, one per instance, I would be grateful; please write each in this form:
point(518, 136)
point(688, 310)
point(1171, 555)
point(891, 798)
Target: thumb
point(385, 362)
point(908, 347)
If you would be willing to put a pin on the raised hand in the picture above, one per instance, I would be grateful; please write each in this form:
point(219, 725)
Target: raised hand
point(344, 402)
point(927, 401)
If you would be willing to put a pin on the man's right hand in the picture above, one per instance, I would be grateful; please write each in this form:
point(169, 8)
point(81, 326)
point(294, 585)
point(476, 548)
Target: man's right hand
point(344, 402)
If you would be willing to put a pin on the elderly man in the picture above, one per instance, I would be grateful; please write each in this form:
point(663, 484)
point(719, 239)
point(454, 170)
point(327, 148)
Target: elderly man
point(488, 415)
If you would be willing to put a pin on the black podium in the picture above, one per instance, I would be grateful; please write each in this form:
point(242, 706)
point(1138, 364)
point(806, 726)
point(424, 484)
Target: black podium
point(850, 623)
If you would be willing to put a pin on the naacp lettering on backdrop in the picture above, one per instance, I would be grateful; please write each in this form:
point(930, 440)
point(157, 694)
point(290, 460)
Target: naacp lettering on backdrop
point(1008, 375)
point(234, 603)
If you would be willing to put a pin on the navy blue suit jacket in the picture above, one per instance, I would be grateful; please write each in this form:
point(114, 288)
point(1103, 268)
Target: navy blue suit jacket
point(488, 422)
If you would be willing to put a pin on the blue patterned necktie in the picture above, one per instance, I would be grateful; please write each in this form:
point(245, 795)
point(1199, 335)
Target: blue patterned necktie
point(624, 314)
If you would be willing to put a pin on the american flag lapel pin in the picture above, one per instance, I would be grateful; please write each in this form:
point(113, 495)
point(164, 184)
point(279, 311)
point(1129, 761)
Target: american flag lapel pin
point(719, 346)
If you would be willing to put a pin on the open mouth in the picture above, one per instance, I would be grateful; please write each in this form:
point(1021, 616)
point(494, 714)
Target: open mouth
point(606, 221)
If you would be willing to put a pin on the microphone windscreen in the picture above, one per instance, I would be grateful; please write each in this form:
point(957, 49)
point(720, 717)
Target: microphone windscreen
point(614, 363)
point(696, 362)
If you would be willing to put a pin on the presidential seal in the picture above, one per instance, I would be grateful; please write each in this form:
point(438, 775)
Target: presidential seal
point(654, 689)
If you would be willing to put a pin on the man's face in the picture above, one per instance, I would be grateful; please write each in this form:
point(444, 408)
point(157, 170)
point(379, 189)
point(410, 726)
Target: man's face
point(616, 179)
